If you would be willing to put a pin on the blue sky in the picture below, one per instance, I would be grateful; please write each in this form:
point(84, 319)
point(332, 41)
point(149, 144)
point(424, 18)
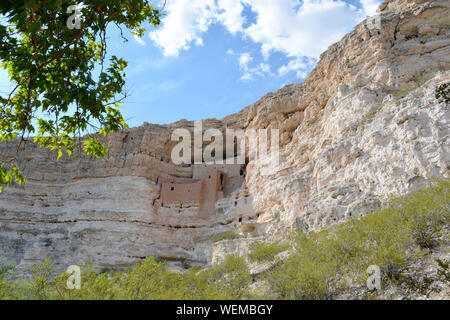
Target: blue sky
point(211, 58)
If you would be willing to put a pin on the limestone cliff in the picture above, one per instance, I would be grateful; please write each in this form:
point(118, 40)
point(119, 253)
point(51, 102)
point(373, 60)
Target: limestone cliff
point(365, 124)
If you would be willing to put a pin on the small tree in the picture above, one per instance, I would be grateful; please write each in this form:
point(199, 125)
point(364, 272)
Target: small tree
point(62, 86)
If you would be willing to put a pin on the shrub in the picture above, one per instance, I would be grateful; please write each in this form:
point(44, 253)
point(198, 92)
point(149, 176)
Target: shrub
point(443, 271)
point(426, 212)
point(426, 229)
point(228, 280)
point(5, 268)
point(150, 280)
point(309, 274)
point(324, 261)
point(41, 284)
point(232, 277)
point(94, 286)
point(7, 290)
point(262, 251)
point(319, 267)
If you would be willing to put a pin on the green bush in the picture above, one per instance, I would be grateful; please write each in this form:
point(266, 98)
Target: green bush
point(149, 280)
point(7, 289)
point(226, 281)
point(263, 251)
point(309, 274)
point(94, 286)
point(426, 212)
point(41, 285)
point(427, 229)
point(320, 266)
point(5, 268)
point(324, 262)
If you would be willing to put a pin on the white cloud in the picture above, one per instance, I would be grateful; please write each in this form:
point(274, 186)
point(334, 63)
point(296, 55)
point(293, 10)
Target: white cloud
point(295, 64)
point(230, 52)
point(305, 30)
point(370, 6)
point(293, 27)
point(185, 23)
point(230, 15)
point(300, 65)
point(244, 60)
point(249, 73)
point(139, 40)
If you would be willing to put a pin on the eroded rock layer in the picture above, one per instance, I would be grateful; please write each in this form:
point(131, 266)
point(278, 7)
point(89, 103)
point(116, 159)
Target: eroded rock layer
point(365, 124)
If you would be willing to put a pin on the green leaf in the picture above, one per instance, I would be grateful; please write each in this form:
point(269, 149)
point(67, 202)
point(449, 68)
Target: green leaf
point(35, 27)
point(55, 70)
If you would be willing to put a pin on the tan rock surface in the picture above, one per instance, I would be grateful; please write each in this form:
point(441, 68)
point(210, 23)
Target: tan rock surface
point(365, 124)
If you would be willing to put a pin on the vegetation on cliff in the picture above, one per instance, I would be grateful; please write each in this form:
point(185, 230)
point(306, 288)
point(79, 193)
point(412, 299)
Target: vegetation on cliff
point(320, 265)
point(323, 264)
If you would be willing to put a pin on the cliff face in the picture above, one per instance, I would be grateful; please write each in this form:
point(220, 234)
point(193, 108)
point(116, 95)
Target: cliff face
point(365, 124)
point(102, 211)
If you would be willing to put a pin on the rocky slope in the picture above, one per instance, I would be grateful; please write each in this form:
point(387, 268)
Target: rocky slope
point(365, 124)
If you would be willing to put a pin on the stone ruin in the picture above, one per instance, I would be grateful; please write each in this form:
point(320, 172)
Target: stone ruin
point(213, 189)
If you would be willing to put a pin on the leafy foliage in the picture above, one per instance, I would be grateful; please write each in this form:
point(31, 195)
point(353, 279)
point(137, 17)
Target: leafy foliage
point(62, 85)
point(41, 284)
point(321, 265)
point(310, 273)
point(324, 263)
point(262, 251)
point(5, 268)
point(8, 176)
point(149, 280)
